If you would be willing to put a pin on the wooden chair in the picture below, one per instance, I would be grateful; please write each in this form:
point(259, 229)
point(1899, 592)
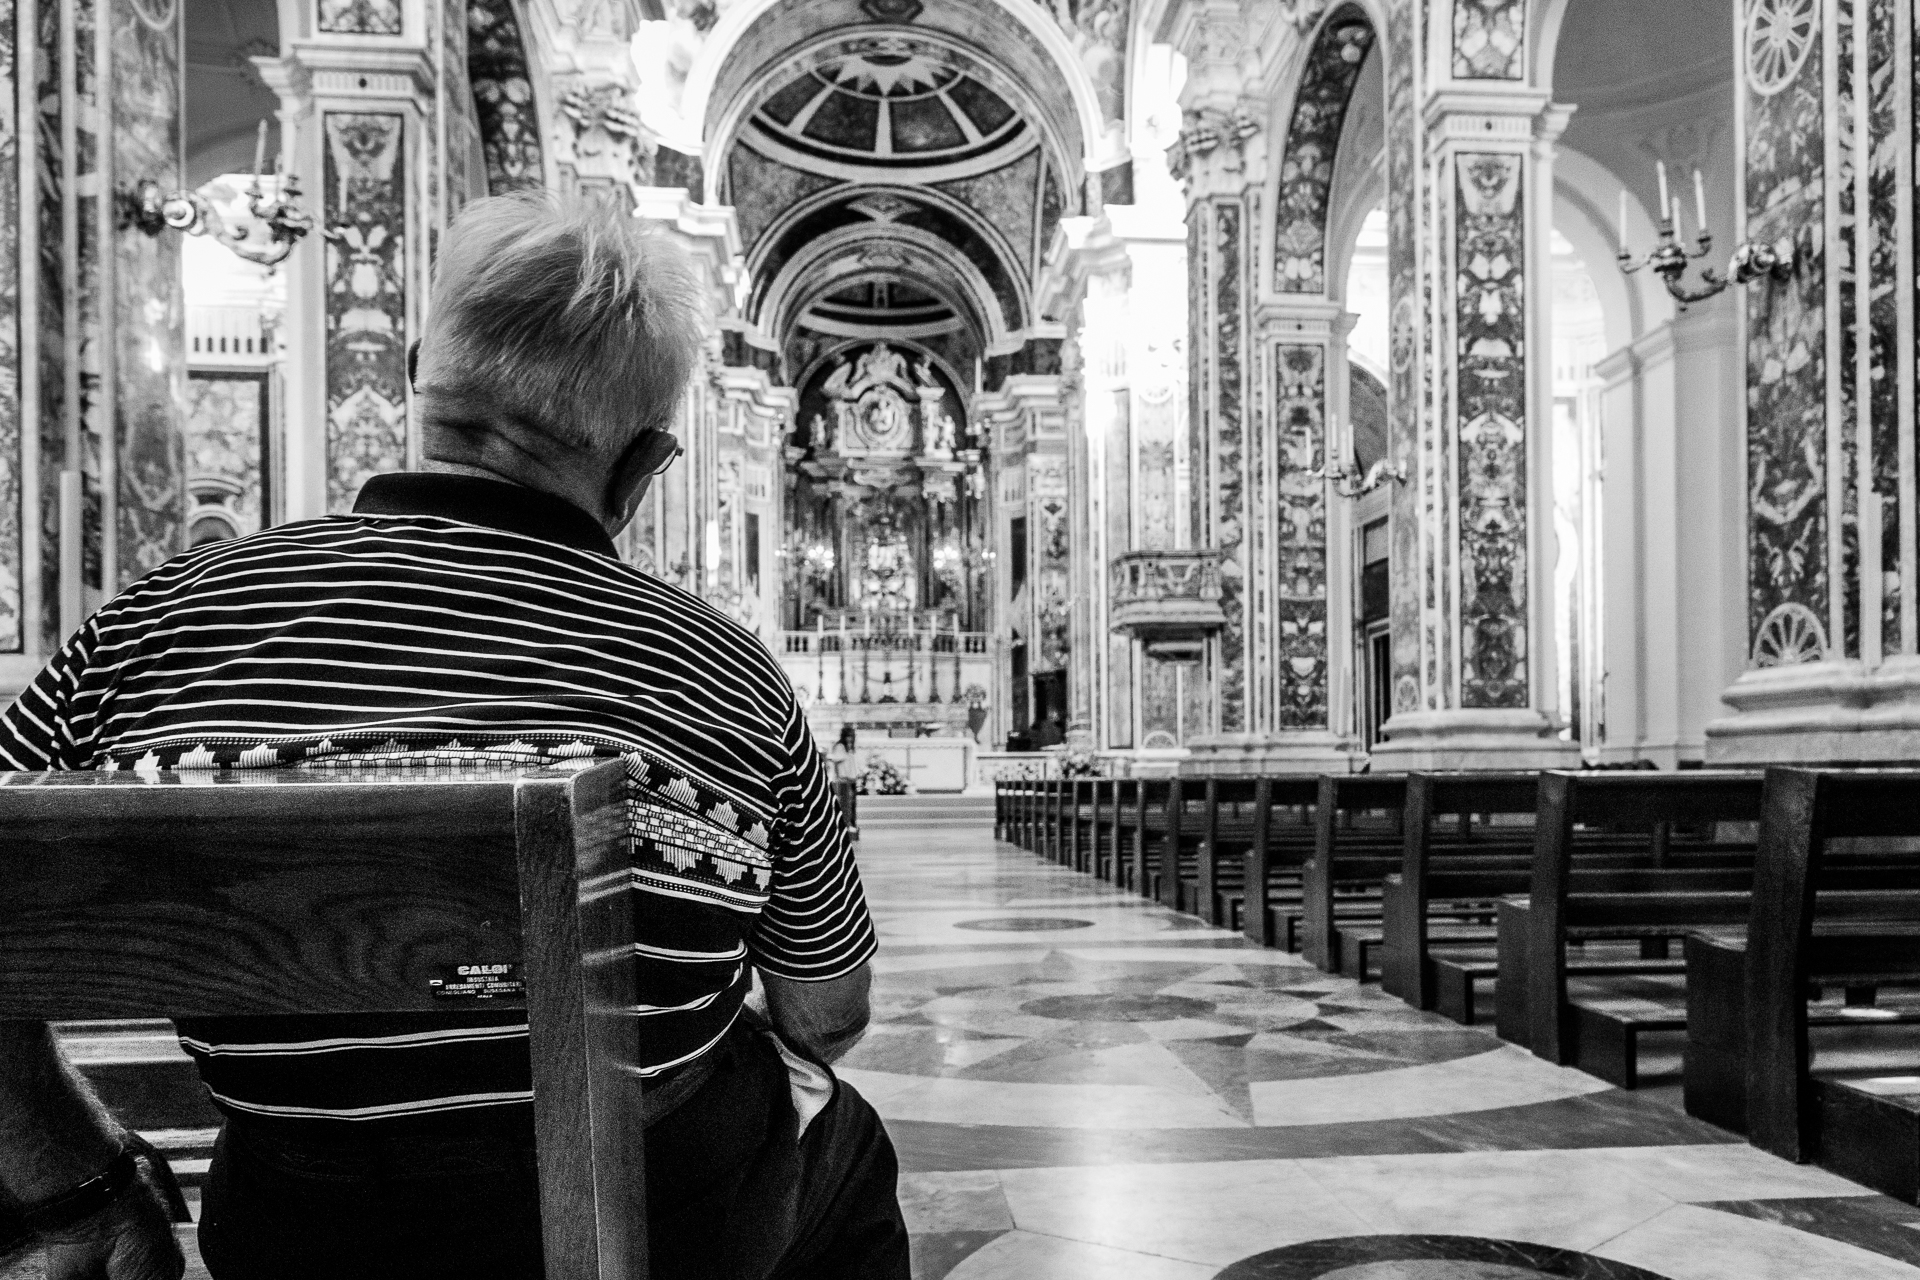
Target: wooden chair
point(1356, 845)
point(298, 893)
point(1706, 886)
point(1822, 917)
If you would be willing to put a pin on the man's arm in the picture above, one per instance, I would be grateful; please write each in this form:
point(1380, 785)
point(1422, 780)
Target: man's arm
point(824, 1018)
point(55, 1135)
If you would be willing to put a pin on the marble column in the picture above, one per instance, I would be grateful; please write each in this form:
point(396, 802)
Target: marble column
point(1106, 278)
point(1025, 421)
point(1470, 200)
point(689, 527)
point(92, 324)
point(758, 415)
point(360, 125)
point(1826, 140)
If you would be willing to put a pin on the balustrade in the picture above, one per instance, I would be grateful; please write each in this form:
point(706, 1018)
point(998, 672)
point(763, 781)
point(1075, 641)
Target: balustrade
point(1168, 600)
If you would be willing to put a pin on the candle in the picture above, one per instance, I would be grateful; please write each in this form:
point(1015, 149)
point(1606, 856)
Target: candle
point(1623, 220)
point(1700, 199)
point(259, 148)
point(1660, 167)
point(1679, 228)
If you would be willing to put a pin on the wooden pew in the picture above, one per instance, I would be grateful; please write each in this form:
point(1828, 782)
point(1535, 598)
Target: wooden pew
point(1435, 873)
point(1357, 844)
point(1705, 887)
point(1271, 868)
point(1822, 918)
point(289, 893)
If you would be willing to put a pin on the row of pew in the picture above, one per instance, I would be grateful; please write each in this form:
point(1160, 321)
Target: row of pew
point(1771, 920)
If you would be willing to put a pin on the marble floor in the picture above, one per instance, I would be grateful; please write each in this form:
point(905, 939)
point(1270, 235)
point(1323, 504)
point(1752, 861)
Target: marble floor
point(1081, 1084)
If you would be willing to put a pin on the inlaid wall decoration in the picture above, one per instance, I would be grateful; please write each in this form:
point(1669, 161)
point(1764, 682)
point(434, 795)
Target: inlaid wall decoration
point(50, 322)
point(1404, 329)
point(1490, 336)
point(360, 17)
point(1880, 272)
point(459, 130)
point(503, 97)
point(1313, 140)
point(1053, 602)
point(1226, 428)
point(1489, 39)
point(225, 431)
point(88, 336)
point(1788, 574)
point(1300, 589)
point(365, 219)
point(12, 627)
point(149, 320)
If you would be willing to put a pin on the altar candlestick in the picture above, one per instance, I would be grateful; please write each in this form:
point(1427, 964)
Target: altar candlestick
point(1700, 199)
point(259, 150)
point(1660, 167)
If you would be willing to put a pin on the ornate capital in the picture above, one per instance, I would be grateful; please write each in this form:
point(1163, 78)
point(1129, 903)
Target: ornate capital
point(1217, 151)
point(599, 136)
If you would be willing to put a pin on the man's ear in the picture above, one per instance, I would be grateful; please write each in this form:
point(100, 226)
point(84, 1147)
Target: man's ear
point(633, 475)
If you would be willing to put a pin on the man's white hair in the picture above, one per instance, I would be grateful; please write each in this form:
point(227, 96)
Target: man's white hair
point(564, 315)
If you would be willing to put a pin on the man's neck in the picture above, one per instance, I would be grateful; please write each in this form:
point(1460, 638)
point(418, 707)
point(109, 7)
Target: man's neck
point(437, 467)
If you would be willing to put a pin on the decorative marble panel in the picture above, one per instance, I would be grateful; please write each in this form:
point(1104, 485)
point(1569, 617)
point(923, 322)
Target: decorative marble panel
point(503, 97)
point(1881, 154)
point(149, 321)
point(1225, 430)
point(1788, 575)
point(1313, 140)
point(1300, 591)
point(458, 127)
point(225, 413)
point(12, 625)
point(1490, 333)
point(365, 219)
point(1404, 330)
point(89, 318)
point(1053, 604)
point(1844, 340)
point(360, 17)
point(51, 325)
point(1489, 39)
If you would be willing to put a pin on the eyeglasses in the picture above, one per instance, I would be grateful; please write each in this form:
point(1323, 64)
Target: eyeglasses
point(667, 460)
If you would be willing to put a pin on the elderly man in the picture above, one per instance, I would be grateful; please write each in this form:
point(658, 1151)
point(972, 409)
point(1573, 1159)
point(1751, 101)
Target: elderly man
point(477, 610)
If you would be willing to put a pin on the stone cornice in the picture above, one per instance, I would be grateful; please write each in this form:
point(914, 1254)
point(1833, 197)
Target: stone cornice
point(1082, 248)
point(336, 72)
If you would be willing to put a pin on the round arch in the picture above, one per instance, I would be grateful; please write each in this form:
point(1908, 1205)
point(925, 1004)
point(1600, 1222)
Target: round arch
point(777, 230)
point(1330, 66)
point(506, 101)
point(957, 281)
point(1030, 22)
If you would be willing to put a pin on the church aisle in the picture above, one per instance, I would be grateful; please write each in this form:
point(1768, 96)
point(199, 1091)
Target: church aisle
point(1082, 1084)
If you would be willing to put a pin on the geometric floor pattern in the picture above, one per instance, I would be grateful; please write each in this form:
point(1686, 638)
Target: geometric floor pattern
point(1081, 1084)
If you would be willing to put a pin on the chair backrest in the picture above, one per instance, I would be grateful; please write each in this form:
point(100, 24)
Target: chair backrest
point(1804, 811)
point(141, 896)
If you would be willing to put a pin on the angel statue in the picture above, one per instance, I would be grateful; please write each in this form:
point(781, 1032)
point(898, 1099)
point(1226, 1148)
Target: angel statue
point(942, 441)
point(923, 371)
point(822, 434)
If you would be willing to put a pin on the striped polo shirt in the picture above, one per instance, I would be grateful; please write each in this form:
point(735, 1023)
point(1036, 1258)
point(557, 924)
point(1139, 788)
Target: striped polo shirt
point(454, 623)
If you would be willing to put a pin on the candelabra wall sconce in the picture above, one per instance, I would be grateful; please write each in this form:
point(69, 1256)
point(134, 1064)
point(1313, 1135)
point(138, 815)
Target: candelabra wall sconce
point(148, 209)
point(1670, 257)
point(1350, 482)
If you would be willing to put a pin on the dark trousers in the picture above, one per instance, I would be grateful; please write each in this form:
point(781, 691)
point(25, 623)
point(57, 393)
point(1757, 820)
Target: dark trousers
point(730, 1194)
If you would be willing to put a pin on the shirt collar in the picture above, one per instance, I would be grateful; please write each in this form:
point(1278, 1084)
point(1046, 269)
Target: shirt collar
point(492, 504)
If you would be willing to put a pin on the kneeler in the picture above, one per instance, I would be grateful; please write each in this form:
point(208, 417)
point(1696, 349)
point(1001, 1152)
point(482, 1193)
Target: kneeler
point(132, 895)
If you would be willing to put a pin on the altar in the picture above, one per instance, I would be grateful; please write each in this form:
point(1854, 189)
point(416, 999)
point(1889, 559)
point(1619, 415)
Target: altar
point(928, 764)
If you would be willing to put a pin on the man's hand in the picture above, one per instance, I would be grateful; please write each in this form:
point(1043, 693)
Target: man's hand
point(130, 1239)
